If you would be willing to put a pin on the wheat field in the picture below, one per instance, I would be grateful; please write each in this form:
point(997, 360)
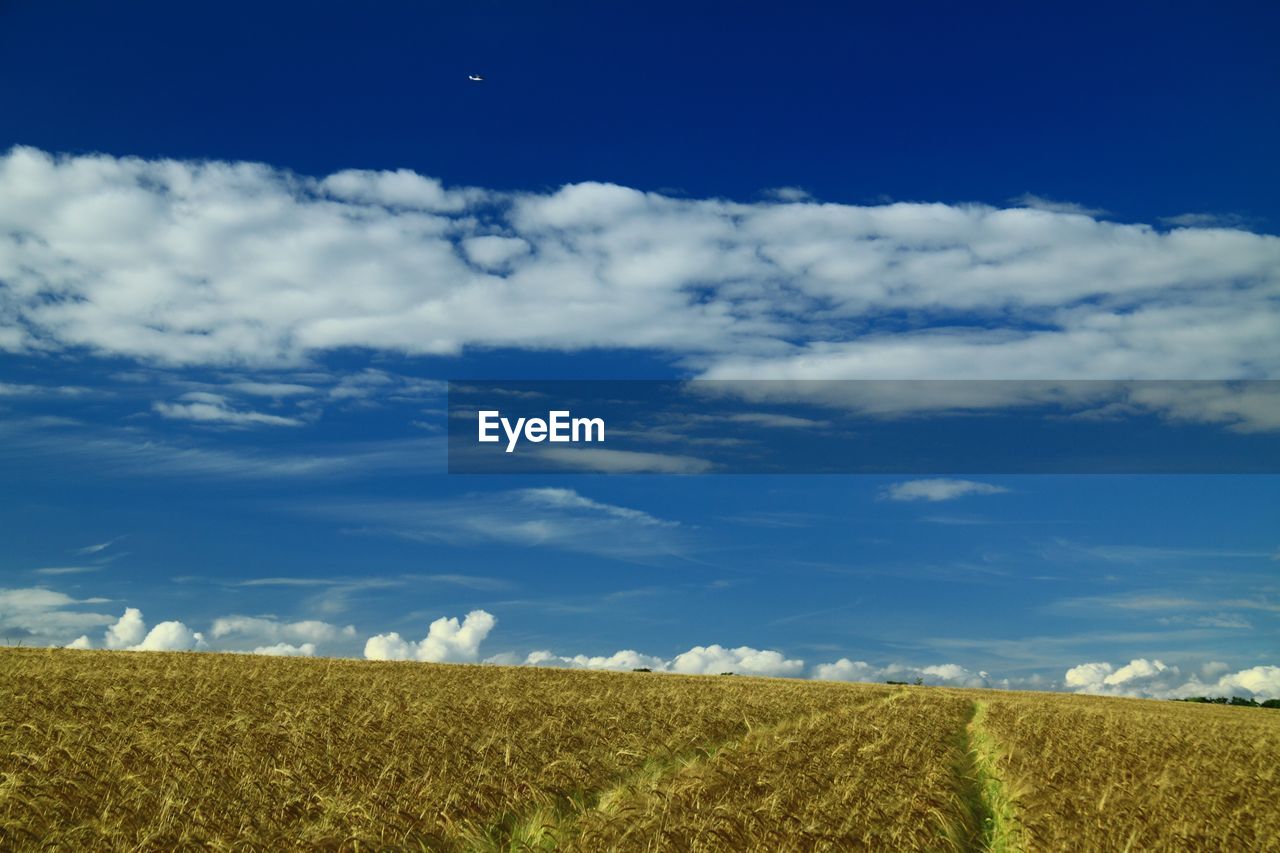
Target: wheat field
point(155, 751)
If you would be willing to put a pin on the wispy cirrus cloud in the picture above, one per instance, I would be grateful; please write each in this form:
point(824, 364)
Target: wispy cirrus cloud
point(556, 518)
point(66, 570)
point(207, 408)
point(938, 489)
point(1140, 554)
point(477, 582)
point(1205, 220)
point(97, 548)
point(12, 389)
point(1037, 202)
point(135, 452)
point(1175, 607)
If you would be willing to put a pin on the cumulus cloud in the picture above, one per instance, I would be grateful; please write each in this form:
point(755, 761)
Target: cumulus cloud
point(1157, 680)
point(129, 633)
point(170, 637)
point(939, 490)
point(743, 660)
point(1088, 675)
point(202, 263)
point(305, 650)
point(494, 252)
point(257, 635)
point(1261, 681)
point(699, 660)
point(624, 660)
point(447, 641)
point(948, 674)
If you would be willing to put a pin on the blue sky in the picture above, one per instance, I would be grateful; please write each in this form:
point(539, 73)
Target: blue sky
point(241, 250)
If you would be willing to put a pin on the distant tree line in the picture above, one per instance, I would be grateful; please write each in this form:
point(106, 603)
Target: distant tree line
point(1234, 700)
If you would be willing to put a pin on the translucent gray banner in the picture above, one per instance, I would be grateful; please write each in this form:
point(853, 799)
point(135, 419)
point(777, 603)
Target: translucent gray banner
point(865, 427)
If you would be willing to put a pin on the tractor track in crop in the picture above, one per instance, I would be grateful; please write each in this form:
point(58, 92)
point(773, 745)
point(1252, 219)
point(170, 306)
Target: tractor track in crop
point(987, 819)
point(549, 825)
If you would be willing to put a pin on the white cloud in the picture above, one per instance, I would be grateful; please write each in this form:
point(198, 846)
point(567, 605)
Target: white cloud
point(101, 546)
point(948, 674)
point(1261, 681)
point(1204, 220)
point(203, 263)
point(776, 421)
point(262, 629)
point(560, 498)
point(699, 660)
point(623, 661)
point(400, 189)
point(128, 631)
point(939, 490)
point(743, 660)
point(45, 617)
point(847, 670)
point(9, 389)
point(48, 618)
point(1036, 202)
point(603, 461)
point(1157, 680)
point(788, 194)
point(212, 408)
point(1087, 675)
point(447, 641)
point(126, 451)
point(553, 518)
point(494, 252)
point(360, 387)
point(272, 389)
point(170, 637)
point(305, 650)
